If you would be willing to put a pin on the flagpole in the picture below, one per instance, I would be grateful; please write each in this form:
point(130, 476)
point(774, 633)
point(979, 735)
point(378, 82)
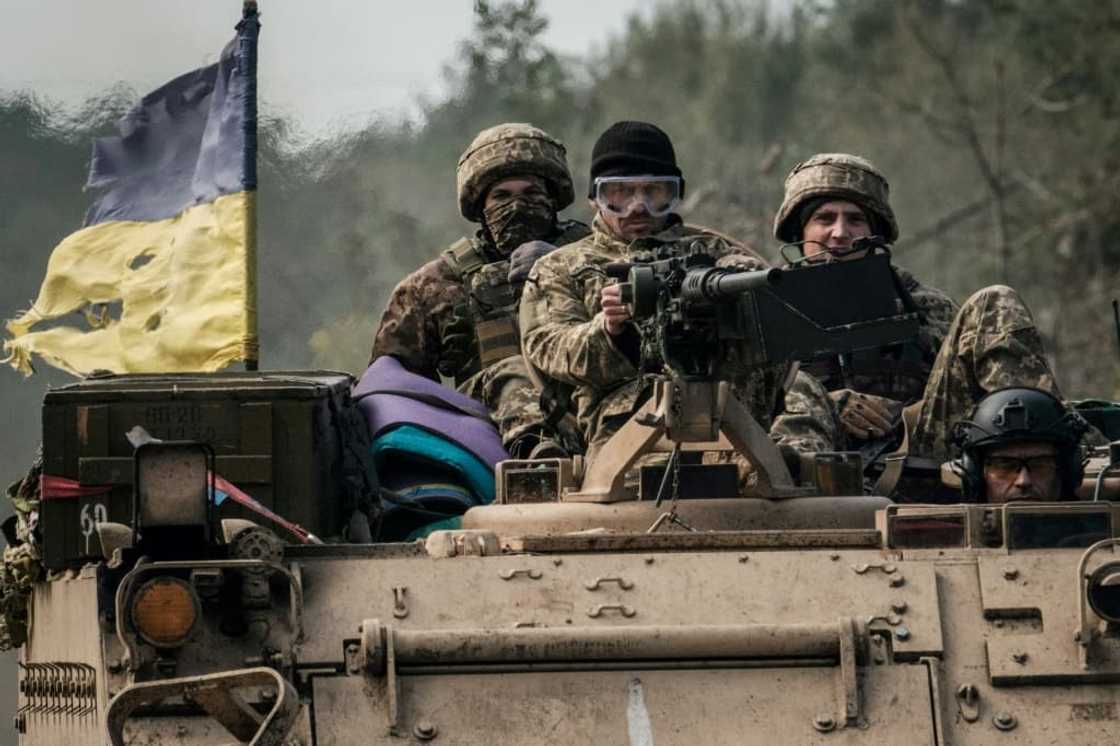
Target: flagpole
point(247, 32)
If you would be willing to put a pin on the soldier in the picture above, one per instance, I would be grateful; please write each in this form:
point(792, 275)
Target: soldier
point(831, 200)
point(456, 316)
point(958, 355)
point(578, 332)
point(1020, 444)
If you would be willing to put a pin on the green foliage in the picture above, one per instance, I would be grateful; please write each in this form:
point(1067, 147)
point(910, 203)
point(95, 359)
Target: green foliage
point(996, 122)
point(506, 66)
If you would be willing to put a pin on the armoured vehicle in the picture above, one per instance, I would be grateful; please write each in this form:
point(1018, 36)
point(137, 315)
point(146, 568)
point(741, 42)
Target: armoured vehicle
point(613, 602)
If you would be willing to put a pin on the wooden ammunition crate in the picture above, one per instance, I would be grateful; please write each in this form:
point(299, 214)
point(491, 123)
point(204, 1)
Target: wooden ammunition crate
point(279, 437)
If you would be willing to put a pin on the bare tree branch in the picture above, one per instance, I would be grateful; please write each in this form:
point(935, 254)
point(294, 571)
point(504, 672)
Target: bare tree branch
point(956, 216)
point(989, 170)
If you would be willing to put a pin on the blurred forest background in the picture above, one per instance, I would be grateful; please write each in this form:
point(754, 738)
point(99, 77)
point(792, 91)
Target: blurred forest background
point(997, 123)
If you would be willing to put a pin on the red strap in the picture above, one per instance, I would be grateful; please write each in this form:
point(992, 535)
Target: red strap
point(241, 498)
point(61, 488)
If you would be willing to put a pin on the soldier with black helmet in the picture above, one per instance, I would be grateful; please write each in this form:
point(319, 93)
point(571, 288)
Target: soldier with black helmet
point(959, 354)
point(456, 316)
point(1020, 444)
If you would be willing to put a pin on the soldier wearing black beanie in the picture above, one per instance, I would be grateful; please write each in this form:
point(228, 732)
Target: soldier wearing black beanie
point(576, 331)
point(633, 149)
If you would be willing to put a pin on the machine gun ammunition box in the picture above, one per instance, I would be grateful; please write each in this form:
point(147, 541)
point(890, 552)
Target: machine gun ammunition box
point(278, 436)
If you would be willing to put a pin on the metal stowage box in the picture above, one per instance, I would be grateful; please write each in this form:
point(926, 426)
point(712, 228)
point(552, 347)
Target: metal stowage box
point(279, 437)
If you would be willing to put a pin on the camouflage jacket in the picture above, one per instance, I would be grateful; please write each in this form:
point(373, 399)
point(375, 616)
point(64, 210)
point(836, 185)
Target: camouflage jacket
point(809, 421)
point(897, 371)
point(564, 334)
point(431, 323)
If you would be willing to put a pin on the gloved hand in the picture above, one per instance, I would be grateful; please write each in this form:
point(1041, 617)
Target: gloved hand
point(866, 416)
point(524, 257)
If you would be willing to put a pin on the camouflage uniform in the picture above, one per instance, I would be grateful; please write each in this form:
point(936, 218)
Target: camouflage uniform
point(959, 354)
point(456, 316)
point(809, 422)
point(429, 326)
point(898, 371)
point(993, 343)
point(565, 337)
point(21, 566)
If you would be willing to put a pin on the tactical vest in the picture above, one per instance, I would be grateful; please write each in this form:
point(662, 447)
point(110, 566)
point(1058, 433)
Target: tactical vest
point(897, 371)
point(492, 301)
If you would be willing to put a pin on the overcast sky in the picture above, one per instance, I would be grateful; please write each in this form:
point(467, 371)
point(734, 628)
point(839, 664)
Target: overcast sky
point(328, 62)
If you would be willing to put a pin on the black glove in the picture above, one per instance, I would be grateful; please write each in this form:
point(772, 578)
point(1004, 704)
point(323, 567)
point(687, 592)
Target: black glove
point(524, 257)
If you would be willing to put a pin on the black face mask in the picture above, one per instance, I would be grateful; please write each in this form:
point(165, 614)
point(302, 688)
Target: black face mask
point(515, 221)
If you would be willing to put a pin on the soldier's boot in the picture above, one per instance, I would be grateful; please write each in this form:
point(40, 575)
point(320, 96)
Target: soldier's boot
point(548, 448)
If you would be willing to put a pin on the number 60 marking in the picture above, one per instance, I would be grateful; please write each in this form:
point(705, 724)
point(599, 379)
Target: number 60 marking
point(92, 514)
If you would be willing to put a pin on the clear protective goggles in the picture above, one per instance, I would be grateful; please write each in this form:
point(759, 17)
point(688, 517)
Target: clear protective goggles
point(621, 195)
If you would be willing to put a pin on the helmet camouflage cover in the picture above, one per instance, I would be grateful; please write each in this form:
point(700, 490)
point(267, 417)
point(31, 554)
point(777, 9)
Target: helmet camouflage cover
point(838, 175)
point(507, 150)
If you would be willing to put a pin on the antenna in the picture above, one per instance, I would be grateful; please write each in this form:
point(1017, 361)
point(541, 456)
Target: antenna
point(1116, 320)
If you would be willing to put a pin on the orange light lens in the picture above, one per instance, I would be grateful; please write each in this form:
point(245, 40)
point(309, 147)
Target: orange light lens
point(164, 612)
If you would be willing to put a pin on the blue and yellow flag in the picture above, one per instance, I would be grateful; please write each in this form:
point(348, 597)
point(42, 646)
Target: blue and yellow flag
point(163, 269)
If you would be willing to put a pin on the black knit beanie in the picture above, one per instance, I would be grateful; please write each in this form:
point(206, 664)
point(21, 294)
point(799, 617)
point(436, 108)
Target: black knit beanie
point(633, 149)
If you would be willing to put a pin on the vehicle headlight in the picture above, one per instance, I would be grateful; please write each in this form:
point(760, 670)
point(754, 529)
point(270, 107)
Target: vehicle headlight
point(164, 611)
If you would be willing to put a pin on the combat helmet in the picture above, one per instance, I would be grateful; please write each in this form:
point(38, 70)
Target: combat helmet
point(509, 149)
point(840, 176)
point(1018, 415)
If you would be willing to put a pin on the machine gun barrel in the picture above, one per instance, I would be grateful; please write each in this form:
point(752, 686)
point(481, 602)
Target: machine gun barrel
point(716, 284)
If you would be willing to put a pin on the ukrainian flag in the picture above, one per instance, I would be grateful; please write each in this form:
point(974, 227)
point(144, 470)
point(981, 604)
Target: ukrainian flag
point(163, 269)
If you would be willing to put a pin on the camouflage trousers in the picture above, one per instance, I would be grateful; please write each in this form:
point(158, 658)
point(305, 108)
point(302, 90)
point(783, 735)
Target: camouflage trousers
point(992, 343)
point(508, 392)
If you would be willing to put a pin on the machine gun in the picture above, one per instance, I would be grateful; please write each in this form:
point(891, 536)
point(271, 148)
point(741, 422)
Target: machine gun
point(708, 323)
point(708, 318)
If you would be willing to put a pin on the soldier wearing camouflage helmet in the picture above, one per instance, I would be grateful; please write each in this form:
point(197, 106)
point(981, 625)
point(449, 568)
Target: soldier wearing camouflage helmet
point(831, 200)
point(456, 316)
point(958, 355)
point(834, 177)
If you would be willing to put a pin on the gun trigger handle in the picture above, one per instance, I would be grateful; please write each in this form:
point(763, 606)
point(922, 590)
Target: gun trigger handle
point(618, 270)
